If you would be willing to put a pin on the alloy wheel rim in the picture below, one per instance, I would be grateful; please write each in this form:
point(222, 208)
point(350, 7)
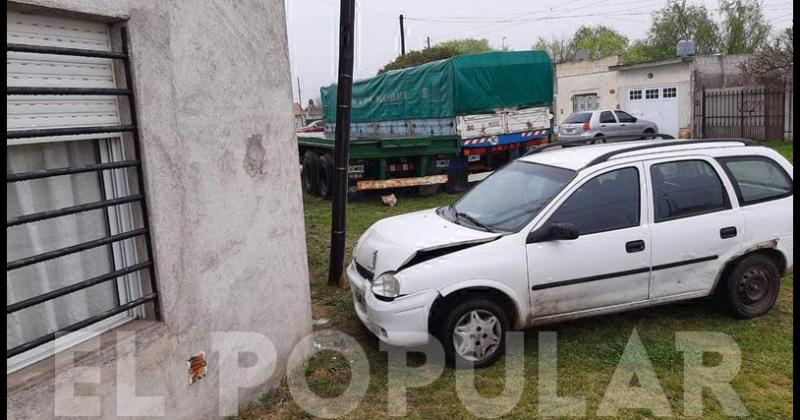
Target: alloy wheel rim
point(477, 335)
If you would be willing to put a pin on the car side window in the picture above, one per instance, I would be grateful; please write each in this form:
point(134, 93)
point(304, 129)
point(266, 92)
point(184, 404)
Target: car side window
point(757, 178)
point(624, 117)
point(686, 188)
point(607, 202)
point(607, 117)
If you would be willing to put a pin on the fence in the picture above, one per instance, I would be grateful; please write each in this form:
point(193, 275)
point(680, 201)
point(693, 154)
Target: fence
point(758, 113)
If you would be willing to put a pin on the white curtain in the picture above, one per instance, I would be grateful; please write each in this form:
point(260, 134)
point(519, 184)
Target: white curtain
point(34, 238)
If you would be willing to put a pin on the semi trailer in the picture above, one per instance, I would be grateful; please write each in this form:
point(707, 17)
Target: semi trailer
point(445, 122)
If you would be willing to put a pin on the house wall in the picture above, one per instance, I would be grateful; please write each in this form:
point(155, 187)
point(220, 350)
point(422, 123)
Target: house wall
point(665, 75)
point(588, 76)
point(213, 93)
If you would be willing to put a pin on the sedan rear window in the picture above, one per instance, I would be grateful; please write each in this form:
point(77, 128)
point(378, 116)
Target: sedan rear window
point(757, 178)
point(686, 188)
point(578, 118)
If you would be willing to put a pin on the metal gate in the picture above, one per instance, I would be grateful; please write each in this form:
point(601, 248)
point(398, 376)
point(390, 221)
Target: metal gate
point(757, 113)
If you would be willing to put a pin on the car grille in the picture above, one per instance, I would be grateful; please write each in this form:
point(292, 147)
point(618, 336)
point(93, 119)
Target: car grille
point(364, 272)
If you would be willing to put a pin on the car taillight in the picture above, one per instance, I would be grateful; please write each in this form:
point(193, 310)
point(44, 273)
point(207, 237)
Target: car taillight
point(587, 127)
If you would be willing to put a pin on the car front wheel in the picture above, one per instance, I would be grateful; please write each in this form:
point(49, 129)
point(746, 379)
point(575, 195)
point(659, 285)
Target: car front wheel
point(473, 333)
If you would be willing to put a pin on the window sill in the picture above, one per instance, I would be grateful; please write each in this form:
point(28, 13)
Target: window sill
point(43, 372)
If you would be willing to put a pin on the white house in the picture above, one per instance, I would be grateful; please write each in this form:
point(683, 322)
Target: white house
point(661, 91)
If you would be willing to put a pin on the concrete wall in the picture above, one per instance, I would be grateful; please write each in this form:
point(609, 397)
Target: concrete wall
point(214, 102)
point(718, 71)
point(588, 76)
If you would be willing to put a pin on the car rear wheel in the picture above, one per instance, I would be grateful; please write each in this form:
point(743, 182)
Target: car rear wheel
point(473, 333)
point(325, 175)
point(752, 287)
point(310, 172)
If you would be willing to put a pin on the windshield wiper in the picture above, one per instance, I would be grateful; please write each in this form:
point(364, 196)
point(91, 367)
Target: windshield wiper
point(473, 220)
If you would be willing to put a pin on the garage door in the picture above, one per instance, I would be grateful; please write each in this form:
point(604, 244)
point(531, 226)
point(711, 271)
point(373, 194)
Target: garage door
point(658, 104)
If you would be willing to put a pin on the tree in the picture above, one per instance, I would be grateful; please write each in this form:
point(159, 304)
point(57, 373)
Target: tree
point(774, 62)
point(439, 51)
point(597, 41)
point(555, 47)
point(467, 45)
point(674, 22)
point(745, 30)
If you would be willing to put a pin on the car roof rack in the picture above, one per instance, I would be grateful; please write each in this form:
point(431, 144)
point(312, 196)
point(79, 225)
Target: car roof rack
point(596, 140)
point(606, 156)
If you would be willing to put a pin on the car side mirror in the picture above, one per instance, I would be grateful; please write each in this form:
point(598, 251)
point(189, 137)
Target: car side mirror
point(635, 119)
point(553, 232)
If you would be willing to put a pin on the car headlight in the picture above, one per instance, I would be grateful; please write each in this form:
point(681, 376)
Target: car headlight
point(386, 285)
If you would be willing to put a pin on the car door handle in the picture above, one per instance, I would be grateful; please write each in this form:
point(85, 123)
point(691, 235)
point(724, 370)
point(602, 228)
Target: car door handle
point(634, 246)
point(728, 232)
point(602, 125)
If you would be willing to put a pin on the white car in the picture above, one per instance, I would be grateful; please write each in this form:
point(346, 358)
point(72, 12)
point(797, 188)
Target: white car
point(565, 233)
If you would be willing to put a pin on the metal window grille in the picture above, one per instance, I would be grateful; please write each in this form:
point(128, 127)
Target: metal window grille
point(135, 163)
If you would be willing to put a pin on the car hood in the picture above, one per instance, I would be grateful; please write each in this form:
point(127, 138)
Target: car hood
point(391, 243)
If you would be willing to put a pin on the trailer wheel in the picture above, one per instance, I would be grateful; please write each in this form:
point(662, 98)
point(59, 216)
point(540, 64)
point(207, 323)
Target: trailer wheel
point(325, 175)
point(310, 172)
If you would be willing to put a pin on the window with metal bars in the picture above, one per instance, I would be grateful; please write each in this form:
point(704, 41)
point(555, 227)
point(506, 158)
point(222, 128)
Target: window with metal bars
point(79, 249)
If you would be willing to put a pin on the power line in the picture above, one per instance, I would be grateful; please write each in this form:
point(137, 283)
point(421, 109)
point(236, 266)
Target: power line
point(528, 17)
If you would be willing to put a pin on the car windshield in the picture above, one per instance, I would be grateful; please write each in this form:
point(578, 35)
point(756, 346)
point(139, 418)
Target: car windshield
point(509, 198)
point(578, 118)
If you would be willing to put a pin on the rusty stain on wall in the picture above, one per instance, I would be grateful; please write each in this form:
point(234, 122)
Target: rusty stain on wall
point(254, 156)
point(197, 367)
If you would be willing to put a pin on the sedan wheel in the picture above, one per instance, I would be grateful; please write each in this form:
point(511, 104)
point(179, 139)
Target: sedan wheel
point(477, 335)
point(752, 287)
point(472, 331)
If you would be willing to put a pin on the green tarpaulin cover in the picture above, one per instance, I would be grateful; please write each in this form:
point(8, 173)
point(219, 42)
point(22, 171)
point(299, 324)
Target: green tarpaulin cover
point(461, 85)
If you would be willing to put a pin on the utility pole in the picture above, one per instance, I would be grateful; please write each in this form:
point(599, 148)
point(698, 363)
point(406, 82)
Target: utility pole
point(402, 37)
point(341, 146)
point(300, 101)
point(429, 42)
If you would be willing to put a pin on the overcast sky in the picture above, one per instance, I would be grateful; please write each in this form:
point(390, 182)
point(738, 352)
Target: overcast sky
point(313, 27)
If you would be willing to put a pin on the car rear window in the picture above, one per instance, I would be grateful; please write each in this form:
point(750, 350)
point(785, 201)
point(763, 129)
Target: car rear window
point(757, 178)
point(686, 188)
point(578, 118)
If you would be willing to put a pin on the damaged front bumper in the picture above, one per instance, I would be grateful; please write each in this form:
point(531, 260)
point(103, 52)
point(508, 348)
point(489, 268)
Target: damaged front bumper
point(401, 322)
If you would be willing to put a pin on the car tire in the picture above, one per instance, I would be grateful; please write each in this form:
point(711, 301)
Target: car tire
point(479, 320)
point(751, 287)
point(648, 133)
point(325, 175)
point(309, 172)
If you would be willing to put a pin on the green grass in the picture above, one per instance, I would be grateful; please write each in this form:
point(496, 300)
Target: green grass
point(784, 147)
point(588, 350)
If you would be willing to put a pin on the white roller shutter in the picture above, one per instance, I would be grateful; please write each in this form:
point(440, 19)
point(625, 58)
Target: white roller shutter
point(41, 70)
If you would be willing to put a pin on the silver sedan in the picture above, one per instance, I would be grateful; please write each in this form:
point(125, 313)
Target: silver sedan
point(604, 122)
